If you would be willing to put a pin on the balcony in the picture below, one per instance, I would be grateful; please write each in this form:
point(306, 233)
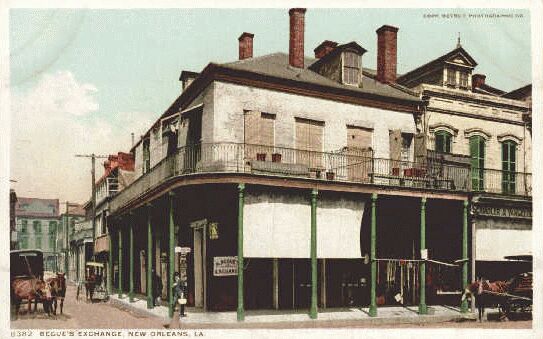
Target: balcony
point(340, 166)
point(501, 182)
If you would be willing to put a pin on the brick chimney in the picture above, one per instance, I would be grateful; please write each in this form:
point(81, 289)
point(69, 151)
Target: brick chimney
point(324, 48)
point(296, 42)
point(245, 45)
point(477, 80)
point(386, 53)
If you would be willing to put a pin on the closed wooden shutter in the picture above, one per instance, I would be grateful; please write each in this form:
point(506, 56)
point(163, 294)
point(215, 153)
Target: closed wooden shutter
point(395, 144)
point(420, 148)
point(359, 142)
point(309, 141)
point(259, 134)
point(359, 137)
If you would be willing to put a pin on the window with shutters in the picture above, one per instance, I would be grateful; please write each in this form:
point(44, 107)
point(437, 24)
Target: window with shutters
point(146, 156)
point(259, 135)
point(52, 227)
point(38, 243)
point(443, 141)
point(405, 153)
point(463, 80)
point(509, 154)
point(24, 226)
point(477, 153)
point(37, 226)
point(451, 77)
point(24, 243)
point(359, 144)
point(52, 242)
point(309, 142)
point(351, 68)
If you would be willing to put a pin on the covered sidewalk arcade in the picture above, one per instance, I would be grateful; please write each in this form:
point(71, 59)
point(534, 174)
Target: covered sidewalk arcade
point(125, 227)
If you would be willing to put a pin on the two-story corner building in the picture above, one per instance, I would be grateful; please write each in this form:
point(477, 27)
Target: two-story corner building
point(36, 225)
point(118, 174)
point(289, 182)
point(466, 116)
point(66, 228)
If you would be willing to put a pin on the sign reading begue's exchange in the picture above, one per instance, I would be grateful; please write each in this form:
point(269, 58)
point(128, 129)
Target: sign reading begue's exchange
point(224, 266)
point(504, 212)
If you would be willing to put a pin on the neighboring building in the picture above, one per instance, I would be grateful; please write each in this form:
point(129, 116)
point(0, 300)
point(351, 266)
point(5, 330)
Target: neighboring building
point(12, 220)
point(81, 247)
point(281, 173)
point(36, 224)
point(465, 116)
point(118, 174)
point(73, 213)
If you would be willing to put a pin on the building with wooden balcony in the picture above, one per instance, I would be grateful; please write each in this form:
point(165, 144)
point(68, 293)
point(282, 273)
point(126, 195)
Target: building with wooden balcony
point(287, 182)
point(466, 116)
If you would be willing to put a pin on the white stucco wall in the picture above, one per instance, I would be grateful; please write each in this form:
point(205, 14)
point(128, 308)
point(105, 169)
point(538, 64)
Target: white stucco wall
point(231, 100)
point(278, 225)
point(494, 244)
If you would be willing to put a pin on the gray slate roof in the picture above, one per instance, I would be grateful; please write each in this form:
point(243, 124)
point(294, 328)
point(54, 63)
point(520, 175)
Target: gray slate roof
point(276, 65)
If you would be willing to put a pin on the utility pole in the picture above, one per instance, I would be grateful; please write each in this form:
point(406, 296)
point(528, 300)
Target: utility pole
point(93, 198)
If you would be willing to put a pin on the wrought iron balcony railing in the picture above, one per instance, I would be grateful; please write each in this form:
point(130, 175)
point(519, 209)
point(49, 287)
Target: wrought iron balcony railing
point(346, 165)
point(501, 182)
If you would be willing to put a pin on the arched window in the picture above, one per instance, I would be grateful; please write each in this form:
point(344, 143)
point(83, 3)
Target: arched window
point(443, 141)
point(509, 166)
point(477, 153)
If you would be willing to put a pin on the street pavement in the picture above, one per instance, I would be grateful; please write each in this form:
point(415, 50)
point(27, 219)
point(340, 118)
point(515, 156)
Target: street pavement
point(82, 314)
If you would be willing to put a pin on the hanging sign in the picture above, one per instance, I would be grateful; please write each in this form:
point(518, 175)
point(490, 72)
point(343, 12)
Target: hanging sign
point(182, 250)
point(225, 266)
point(214, 231)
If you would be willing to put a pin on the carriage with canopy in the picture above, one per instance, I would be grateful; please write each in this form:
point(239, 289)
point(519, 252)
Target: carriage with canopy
point(94, 281)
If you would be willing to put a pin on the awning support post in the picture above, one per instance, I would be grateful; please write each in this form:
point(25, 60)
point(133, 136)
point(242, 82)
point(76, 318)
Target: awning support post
point(423, 308)
point(149, 263)
point(373, 236)
point(464, 305)
point(241, 200)
point(171, 257)
point(120, 274)
point(313, 310)
point(131, 268)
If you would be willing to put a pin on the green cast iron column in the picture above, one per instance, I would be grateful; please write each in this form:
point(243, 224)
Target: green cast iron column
point(120, 275)
point(423, 309)
point(171, 256)
point(149, 261)
point(131, 245)
point(110, 263)
point(313, 310)
point(373, 236)
point(241, 194)
point(464, 305)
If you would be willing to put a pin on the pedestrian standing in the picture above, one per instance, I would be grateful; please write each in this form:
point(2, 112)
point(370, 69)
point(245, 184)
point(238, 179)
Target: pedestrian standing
point(180, 293)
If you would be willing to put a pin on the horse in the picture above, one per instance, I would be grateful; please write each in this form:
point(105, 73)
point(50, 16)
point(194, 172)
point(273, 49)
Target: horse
point(31, 289)
point(484, 293)
point(58, 290)
point(90, 284)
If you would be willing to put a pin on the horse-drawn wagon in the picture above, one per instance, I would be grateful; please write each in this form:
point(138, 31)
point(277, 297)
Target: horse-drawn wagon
point(94, 281)
point(26, 278)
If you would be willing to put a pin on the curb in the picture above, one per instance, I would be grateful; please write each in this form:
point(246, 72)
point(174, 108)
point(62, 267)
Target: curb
point(420, 319)
point(138, 311)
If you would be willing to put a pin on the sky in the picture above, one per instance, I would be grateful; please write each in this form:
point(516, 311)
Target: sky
point(83, 80)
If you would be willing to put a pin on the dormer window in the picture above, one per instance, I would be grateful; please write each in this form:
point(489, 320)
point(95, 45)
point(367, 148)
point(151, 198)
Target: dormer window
point(351, 68)
point(463, 80)
point(451, 77)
